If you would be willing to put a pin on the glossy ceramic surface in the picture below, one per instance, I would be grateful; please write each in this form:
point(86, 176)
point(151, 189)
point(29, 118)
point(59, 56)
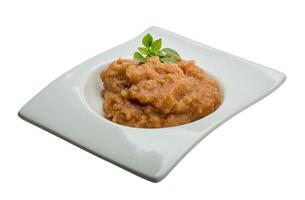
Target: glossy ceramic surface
point(71, 107)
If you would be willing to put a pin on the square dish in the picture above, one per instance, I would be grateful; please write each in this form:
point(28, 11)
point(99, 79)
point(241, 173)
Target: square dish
point(71, 107)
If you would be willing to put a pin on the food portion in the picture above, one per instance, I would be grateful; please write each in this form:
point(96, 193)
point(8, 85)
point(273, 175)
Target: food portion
point(155, 92)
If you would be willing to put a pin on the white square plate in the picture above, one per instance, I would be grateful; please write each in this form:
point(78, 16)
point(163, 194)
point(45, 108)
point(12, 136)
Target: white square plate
point(71, 107)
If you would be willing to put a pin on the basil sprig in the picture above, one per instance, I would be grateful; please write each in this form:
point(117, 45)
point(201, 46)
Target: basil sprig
point(153, 48)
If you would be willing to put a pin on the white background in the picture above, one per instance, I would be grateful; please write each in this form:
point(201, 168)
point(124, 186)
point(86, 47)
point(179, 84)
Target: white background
point(259, 154)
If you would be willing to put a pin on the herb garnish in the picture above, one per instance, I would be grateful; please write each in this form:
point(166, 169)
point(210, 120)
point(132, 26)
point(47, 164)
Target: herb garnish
point(153, 48)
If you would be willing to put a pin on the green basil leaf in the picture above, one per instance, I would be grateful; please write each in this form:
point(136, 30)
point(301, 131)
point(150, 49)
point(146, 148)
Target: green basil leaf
point(147, 40)
point(153, 48)
point(144, 50)
point(156, 45)
point(137, 56)
point(171, 52)
point(161, 54)
point(153, 53)
point(166, 59)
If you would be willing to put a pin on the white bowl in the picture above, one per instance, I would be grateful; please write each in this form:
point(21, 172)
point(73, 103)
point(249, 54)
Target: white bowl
point(71, 107)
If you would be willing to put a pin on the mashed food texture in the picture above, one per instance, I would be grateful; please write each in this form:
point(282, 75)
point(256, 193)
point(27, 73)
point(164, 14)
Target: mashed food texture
point(156, 94)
